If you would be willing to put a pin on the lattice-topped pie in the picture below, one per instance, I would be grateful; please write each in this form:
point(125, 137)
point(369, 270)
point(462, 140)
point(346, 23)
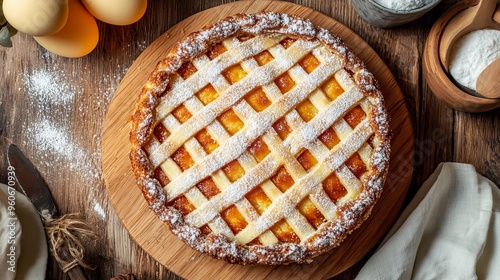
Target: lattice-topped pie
point(261, 139)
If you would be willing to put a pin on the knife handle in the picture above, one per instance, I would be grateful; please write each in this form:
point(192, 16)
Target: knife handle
point(75, 273)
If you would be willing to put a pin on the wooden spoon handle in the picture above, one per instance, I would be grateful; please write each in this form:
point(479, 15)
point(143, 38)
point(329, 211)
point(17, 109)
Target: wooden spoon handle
point(495, 23)
point(77, 272)
point(484, 14)
point(488, 83)
point(475, 17)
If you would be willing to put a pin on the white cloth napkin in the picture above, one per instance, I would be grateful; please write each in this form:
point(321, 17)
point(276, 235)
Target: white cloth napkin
point(450, 230)
point(10, 233)
point(32, 260)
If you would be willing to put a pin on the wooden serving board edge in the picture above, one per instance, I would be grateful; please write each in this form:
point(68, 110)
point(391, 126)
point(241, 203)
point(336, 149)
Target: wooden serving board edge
point(146, 229)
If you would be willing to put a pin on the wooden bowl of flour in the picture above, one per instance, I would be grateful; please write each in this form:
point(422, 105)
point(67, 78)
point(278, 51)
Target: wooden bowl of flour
point(438, 79)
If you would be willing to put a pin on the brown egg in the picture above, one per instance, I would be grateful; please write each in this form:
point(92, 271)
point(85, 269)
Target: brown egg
point(117, 12)
point(36, 17)
point(77, 38)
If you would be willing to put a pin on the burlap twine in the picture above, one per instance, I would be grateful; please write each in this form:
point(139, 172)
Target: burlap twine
point(68, 231)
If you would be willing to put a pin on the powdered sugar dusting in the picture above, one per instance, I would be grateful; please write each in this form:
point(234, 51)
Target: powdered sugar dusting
point(47, 86)
point(52, 93)
point(51, 138)
point(99, 210)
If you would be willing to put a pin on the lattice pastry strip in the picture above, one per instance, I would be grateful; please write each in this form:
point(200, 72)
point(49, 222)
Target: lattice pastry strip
point(323, 202)
point(352, 184)
point(322, 120)
point(245, 111)
point(341, 126)
point(300, 225)
point(203, 215)
point(261, 139)
point(343, 129)
point(320, 199)
point(183, 90)
point(307, 184)
point(252, 131)
point(194, 196)
point(296, 72)
point(246, 161)
point(296, 221)
point(231, 95)
point(243, 207)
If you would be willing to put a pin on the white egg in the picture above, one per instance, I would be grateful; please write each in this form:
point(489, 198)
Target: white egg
point(36, 17)
point(117, 12)
point(77, 38)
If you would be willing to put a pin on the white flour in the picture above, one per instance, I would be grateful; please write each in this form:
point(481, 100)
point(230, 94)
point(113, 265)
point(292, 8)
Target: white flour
point(54, 139)
point(44, 86)
point(404, 5)
point(52, 94)
point(472, 53)
point(57, 98)
point(99, 210)
point(69, 108)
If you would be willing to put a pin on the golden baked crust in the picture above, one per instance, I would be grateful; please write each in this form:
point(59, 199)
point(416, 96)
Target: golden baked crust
point(362, 165)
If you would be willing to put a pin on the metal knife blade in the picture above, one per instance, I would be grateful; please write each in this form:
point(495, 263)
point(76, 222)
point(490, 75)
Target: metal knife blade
point(34, 187)
point(31, 182)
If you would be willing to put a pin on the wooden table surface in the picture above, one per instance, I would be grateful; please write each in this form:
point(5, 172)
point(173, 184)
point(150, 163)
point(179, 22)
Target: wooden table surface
point(53, 108)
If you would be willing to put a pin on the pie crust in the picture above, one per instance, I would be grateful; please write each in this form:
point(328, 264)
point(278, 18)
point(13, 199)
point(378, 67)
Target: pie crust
point(261, 139)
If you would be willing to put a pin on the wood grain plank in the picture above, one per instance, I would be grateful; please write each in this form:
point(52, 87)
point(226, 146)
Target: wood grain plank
point(480, 144)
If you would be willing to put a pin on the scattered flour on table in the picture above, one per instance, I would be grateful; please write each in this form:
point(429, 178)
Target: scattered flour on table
point(53, 95)
point(472, 53)
point(405, 5)
point(51, 138)
point(99, 210)
point(142, 45)
point(56, 147)
point(48, 87)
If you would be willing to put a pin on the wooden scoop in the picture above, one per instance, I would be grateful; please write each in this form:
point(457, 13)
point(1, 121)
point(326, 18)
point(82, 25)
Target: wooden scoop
point(474, 18)
point(488, 82)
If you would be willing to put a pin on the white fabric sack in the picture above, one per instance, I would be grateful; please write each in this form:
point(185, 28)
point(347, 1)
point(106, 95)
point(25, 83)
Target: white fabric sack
point(450, 230)
point(10, 236)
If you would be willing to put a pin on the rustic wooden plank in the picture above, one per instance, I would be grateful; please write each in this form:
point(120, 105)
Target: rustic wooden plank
point(479, 143)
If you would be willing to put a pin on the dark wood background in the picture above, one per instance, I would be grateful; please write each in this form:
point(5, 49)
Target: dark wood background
point(70, 161)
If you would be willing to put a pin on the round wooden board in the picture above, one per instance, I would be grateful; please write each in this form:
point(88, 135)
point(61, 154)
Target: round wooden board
point(147, 230)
